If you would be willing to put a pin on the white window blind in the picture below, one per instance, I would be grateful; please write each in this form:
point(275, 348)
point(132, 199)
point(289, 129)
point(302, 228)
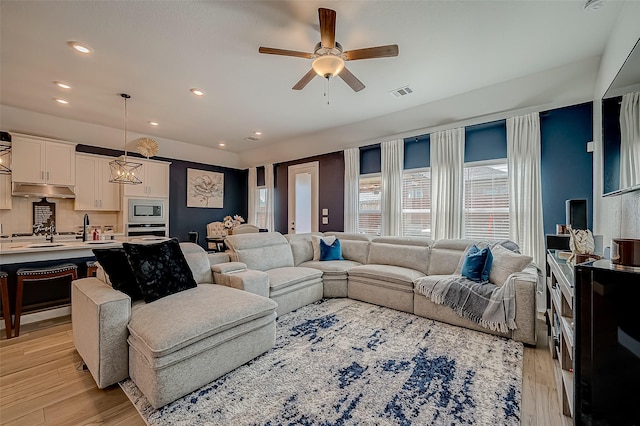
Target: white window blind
point(486, 200)
point(369, 216)
point(261, 208)
point(416, 203)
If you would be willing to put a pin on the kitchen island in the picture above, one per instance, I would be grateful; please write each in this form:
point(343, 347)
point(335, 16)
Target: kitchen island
point(42, 301)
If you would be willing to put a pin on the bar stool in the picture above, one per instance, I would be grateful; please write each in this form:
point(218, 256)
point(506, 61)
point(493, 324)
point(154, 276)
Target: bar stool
point(39, 274)
point(92, 268)
point(6, 310)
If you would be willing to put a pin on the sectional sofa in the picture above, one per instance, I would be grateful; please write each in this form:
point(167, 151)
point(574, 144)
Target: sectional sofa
point(379, 270)
point(178, 343)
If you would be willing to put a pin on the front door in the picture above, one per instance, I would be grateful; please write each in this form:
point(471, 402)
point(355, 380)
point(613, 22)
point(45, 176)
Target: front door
point(303, 198)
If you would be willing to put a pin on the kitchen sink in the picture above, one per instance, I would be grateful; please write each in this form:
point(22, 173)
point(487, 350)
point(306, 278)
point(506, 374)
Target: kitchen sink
point(99, 242)
point(45, 245)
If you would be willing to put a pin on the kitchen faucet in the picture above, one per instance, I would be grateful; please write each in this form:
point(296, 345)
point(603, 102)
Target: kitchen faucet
point(85, 223)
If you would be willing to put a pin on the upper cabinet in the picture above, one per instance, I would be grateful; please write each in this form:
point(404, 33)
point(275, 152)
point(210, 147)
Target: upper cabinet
point(39, 160)
point(94, 192)
point(155, 181)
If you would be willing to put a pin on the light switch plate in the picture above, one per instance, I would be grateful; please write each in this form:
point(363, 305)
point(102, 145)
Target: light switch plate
point(325, 220)
point(325, 212)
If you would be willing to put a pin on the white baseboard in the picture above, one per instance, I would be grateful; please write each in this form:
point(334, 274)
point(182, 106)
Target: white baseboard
point(42, 315)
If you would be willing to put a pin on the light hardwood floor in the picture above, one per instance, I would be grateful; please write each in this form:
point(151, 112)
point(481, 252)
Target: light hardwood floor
point(42, 383)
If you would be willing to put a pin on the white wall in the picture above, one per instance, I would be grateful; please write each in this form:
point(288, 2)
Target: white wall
point(614, 216)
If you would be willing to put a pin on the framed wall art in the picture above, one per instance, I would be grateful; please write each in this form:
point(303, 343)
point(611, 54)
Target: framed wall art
point(205, 189)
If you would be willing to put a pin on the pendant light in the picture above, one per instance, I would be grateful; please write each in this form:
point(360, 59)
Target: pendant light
point(123, 171)
point(5, 151)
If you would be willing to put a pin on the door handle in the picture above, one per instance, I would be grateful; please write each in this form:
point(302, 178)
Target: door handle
point(41, 175)
point(47, 175)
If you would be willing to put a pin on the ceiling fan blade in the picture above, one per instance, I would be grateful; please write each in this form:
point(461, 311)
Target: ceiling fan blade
point(283, 52)
point(305, 80)
point(327, 27)
point(372, 52)
point(351, 80)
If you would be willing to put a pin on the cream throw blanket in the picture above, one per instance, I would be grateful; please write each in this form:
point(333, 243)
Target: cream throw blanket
point(487, 304)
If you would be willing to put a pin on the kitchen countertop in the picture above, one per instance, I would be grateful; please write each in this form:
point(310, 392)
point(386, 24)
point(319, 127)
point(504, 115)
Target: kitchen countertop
point(29, 251)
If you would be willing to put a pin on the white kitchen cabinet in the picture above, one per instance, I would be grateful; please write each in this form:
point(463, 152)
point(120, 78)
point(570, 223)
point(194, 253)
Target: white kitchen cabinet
point(155, 181)
point(5, 187)
point(94, 192)
point(40, 160)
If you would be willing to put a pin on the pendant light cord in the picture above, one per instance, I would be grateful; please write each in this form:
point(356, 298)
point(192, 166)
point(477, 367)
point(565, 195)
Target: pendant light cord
point(125, 128)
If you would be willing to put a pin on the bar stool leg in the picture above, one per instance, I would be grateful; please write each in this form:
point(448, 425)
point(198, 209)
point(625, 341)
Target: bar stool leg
point(6, 308)
point(18, 313)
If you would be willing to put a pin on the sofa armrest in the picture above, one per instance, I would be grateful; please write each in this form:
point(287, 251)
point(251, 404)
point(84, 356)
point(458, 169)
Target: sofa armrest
point(99, 316)
point(250, 280)
point(525, 287)
point(217, 258)
point(229, 267)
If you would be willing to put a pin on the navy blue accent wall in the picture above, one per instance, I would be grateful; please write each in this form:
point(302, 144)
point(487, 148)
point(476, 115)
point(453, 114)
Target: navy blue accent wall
point(330, 191)
point(486, 141)
point(183, 219)
point(567, 167)
point(611, 139)
point(417, 152)
point(370, 159)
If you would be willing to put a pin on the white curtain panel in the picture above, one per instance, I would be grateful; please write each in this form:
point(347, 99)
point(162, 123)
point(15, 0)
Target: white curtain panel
point(391, 197)
point(268, 183)
point(252, 195)
point(630, 140)
point(525, 186)
point(447, 180)
point(351, 189)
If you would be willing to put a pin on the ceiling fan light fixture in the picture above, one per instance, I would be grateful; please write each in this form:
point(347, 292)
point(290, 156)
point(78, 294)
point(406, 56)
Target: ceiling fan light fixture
point(328, 65)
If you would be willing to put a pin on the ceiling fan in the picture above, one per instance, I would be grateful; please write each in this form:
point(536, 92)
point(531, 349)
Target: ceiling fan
point(329, 57)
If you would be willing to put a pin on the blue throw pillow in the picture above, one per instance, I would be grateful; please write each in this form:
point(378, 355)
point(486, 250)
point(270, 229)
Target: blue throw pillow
point(330, 252)
point(477, 264)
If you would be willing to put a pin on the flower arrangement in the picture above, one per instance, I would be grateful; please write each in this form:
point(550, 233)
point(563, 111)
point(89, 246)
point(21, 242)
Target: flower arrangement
point(231, 222)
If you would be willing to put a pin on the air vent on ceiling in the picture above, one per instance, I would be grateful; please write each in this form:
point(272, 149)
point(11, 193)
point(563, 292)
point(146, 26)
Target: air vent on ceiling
point(251, 138)
point(592, 5)
point(403, 91)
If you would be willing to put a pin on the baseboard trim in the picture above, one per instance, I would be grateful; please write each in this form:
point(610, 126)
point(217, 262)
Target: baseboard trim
point(42, 316)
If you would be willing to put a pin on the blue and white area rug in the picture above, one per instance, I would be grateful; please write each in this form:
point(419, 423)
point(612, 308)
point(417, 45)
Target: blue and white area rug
point(344, 362)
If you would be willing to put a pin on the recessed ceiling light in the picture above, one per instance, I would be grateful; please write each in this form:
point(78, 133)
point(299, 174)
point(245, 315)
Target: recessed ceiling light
point(79, 47)
point(197, 92)
point(62, 101)
point(62, 85)
point(257, 133)
point(153, 123)
point(220, 144)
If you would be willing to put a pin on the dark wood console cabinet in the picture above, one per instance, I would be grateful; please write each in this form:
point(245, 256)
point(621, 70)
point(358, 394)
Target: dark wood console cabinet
point(607, 345)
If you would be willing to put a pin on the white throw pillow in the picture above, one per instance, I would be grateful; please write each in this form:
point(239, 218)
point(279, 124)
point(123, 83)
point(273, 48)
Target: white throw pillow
point(505, 263)
point(315, 243)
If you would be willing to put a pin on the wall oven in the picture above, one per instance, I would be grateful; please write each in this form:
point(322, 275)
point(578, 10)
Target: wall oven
point(146, 230)
point(147, 211)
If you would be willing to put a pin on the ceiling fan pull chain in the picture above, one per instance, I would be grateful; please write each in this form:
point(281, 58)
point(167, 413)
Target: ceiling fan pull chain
point(326, 89)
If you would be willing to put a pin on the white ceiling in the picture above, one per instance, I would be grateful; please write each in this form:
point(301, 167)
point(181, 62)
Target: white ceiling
point(156, 51)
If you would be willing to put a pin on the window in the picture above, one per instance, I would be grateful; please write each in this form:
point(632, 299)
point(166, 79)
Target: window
point(416, 203)
point(486, 200)
point(261, 208)
point(369, 217)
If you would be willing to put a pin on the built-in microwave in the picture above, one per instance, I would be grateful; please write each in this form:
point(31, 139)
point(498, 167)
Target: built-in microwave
point(147, 211)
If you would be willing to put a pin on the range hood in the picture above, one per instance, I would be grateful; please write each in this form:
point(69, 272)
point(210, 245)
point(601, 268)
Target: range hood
point(42, 190)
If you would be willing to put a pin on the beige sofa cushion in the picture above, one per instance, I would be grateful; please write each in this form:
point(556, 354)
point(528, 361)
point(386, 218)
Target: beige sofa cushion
point(446, 256)
point(197, 313)
point(280, 278)
point(332, 267)
point(386, 273)
point(354, 246)
point(261, 251)
point(407, 252)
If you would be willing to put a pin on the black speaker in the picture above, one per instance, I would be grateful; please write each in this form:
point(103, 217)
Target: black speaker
point(576, 213)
